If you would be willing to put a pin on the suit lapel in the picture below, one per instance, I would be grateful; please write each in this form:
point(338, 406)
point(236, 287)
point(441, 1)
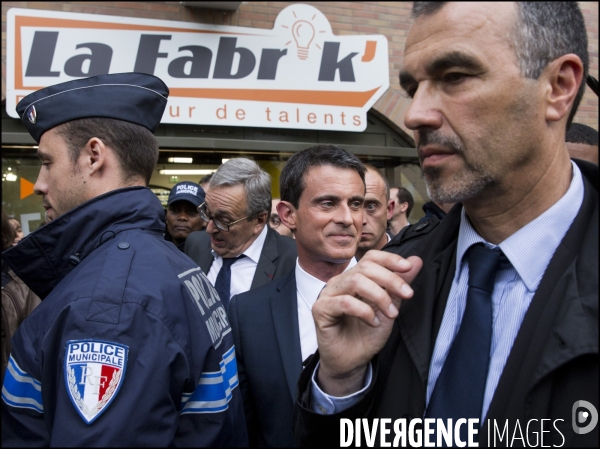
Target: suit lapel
point(422, 315)
point(285, 320)
point(265, 269)
point(198, 248)
point(418, 330)
point(206, 258)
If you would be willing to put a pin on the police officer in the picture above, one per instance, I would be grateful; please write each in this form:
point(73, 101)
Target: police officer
point(182, 216)
point(130, 346)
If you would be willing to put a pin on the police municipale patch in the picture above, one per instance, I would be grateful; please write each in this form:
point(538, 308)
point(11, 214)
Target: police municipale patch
point(94, 373)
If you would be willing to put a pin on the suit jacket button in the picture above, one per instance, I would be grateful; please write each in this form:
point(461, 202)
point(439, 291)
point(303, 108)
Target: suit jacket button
point(123, 245)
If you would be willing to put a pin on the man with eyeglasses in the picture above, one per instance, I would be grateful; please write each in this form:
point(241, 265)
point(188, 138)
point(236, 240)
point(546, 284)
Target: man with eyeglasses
point(275, 221)
point(238, 252)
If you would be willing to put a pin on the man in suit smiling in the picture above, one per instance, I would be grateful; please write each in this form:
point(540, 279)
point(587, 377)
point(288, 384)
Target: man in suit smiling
point(322, 195)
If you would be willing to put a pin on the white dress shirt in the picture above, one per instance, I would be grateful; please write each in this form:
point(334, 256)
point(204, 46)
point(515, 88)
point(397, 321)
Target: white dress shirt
point(242, 271)
point(529, 251)
point(308, 289)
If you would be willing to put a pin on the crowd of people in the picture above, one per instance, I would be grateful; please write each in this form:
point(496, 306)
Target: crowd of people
point(233, 318)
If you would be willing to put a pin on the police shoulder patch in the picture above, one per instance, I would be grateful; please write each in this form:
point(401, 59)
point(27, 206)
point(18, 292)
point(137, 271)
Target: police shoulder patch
point(94, 373)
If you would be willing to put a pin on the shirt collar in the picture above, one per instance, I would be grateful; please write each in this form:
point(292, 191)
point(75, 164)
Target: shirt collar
point(309, 286)
point(531, 248)
point(254, 251)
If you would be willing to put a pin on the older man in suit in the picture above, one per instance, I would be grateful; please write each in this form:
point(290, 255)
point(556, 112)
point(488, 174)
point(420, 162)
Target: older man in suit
point(322, 196)
point(238, 251)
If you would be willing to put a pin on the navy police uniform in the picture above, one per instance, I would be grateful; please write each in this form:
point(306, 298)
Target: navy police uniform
point(131, 345)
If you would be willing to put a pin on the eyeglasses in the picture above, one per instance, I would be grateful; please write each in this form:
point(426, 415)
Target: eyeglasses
point(219, 224)
point(274, 220)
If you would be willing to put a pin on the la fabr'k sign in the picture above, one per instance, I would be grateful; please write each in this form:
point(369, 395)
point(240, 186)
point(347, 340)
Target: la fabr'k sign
point(297, 75)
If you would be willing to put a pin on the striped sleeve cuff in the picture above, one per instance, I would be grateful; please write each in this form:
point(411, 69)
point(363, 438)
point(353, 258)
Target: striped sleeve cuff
point(20, 389)
point(325, 404)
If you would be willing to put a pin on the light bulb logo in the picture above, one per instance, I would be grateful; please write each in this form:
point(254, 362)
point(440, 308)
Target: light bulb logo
point(303, 33)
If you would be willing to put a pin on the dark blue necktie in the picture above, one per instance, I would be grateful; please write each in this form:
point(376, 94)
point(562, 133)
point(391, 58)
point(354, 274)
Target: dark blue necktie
point(223, 282)
point(460, 387)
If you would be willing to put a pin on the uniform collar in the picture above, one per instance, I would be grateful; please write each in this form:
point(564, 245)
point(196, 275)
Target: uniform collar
point(44, 257)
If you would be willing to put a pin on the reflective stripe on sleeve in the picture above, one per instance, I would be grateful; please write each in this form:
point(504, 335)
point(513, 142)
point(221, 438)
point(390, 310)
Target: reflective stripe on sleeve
point(20, 389)
point(214, 390)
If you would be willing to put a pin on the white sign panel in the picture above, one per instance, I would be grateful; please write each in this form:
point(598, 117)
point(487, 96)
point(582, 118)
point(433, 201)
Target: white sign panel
point(297, 75)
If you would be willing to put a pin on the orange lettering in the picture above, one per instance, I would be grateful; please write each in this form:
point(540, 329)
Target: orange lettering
point(312, 118)
point(224, 110)
point(240, 114)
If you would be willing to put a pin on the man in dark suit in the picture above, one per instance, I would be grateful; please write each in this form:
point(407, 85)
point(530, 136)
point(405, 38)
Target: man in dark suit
point(502, 325)
point(239, 252)
point(322, 194)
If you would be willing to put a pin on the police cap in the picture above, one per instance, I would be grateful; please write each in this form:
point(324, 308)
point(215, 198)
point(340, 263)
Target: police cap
point(133, 97)
point(187, 191)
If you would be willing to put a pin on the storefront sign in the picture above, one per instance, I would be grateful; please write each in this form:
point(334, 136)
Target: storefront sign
point(297, 75)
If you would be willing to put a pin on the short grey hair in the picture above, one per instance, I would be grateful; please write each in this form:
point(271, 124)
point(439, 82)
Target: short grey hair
point(544, 31)
point(256, 182)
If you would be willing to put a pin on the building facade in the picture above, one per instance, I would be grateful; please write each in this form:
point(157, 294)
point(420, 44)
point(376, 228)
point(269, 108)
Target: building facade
point(382, 139)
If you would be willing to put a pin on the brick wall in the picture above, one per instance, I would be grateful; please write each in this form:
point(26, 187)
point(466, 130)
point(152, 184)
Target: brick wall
point(588, 110)
point(388, 18)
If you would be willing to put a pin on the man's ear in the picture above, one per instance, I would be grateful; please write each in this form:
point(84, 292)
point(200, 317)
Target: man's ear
point(94, 155)
point(261, 218)
point(564, 76)
point(403, 207)
point(390, 209)
point(287, 214)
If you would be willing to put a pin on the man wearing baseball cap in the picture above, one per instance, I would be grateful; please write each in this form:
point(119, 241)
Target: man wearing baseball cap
point(130, 346)
point(182, 212)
